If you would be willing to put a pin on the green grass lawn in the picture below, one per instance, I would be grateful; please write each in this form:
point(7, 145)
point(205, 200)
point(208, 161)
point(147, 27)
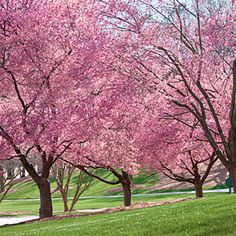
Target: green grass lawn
point(213, 215)
point(29, 189)
point(31, 207)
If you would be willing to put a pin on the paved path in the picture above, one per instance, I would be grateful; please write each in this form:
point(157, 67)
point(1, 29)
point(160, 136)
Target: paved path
point(14, 220)
point(134, 195)
point(9, 220)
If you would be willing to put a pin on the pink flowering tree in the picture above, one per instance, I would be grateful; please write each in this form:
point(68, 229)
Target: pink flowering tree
point(47, 58)
point(183, 53)
point(111, 149)
point(191, 169)
point(167, 147)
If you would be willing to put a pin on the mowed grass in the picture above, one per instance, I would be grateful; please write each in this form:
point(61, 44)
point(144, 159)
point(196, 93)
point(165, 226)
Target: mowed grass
point(209, 216)
point(28, 189)
point(31, 207)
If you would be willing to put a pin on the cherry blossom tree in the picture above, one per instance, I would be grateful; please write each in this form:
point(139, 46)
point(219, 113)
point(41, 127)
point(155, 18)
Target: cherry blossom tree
point(165, 147)
point(184, 52)
point(195, 172)
point(113, 150)
point(48, 57)
point(112, 147)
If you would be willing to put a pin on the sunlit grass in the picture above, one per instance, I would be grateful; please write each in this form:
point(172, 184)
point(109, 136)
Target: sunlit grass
point(29, 189)
point(209, 216)
point(31, 207)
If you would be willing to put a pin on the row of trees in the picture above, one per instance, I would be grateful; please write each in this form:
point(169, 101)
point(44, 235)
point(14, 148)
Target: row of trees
point(121, 85)
point(182, 56)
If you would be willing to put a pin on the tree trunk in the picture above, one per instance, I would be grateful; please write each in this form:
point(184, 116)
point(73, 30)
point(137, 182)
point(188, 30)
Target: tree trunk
point(198, 189)
point(43, 184)
point(45, 198)
point(127, 194)
point(231, 165)
point(76, 197)
point(232, 174)
point(74, 201)
point(65, 201)
point(72, 204)
point(126, 184)
point(2, 187)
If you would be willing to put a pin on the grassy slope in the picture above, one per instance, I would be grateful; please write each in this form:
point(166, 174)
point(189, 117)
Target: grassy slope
point(31, 207)
point(209, 216)
point(30, 190)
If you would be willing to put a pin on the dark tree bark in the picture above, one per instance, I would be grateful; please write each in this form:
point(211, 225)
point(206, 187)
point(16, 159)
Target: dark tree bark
point(126, 184)
point(192, 173)
point(198, 188)
point(230, 164)
point(232, 174)
point(121, 178)
point(65, 200)
point(2, 187)
point(46, 209)
point(45, 198)
point(127, 194)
